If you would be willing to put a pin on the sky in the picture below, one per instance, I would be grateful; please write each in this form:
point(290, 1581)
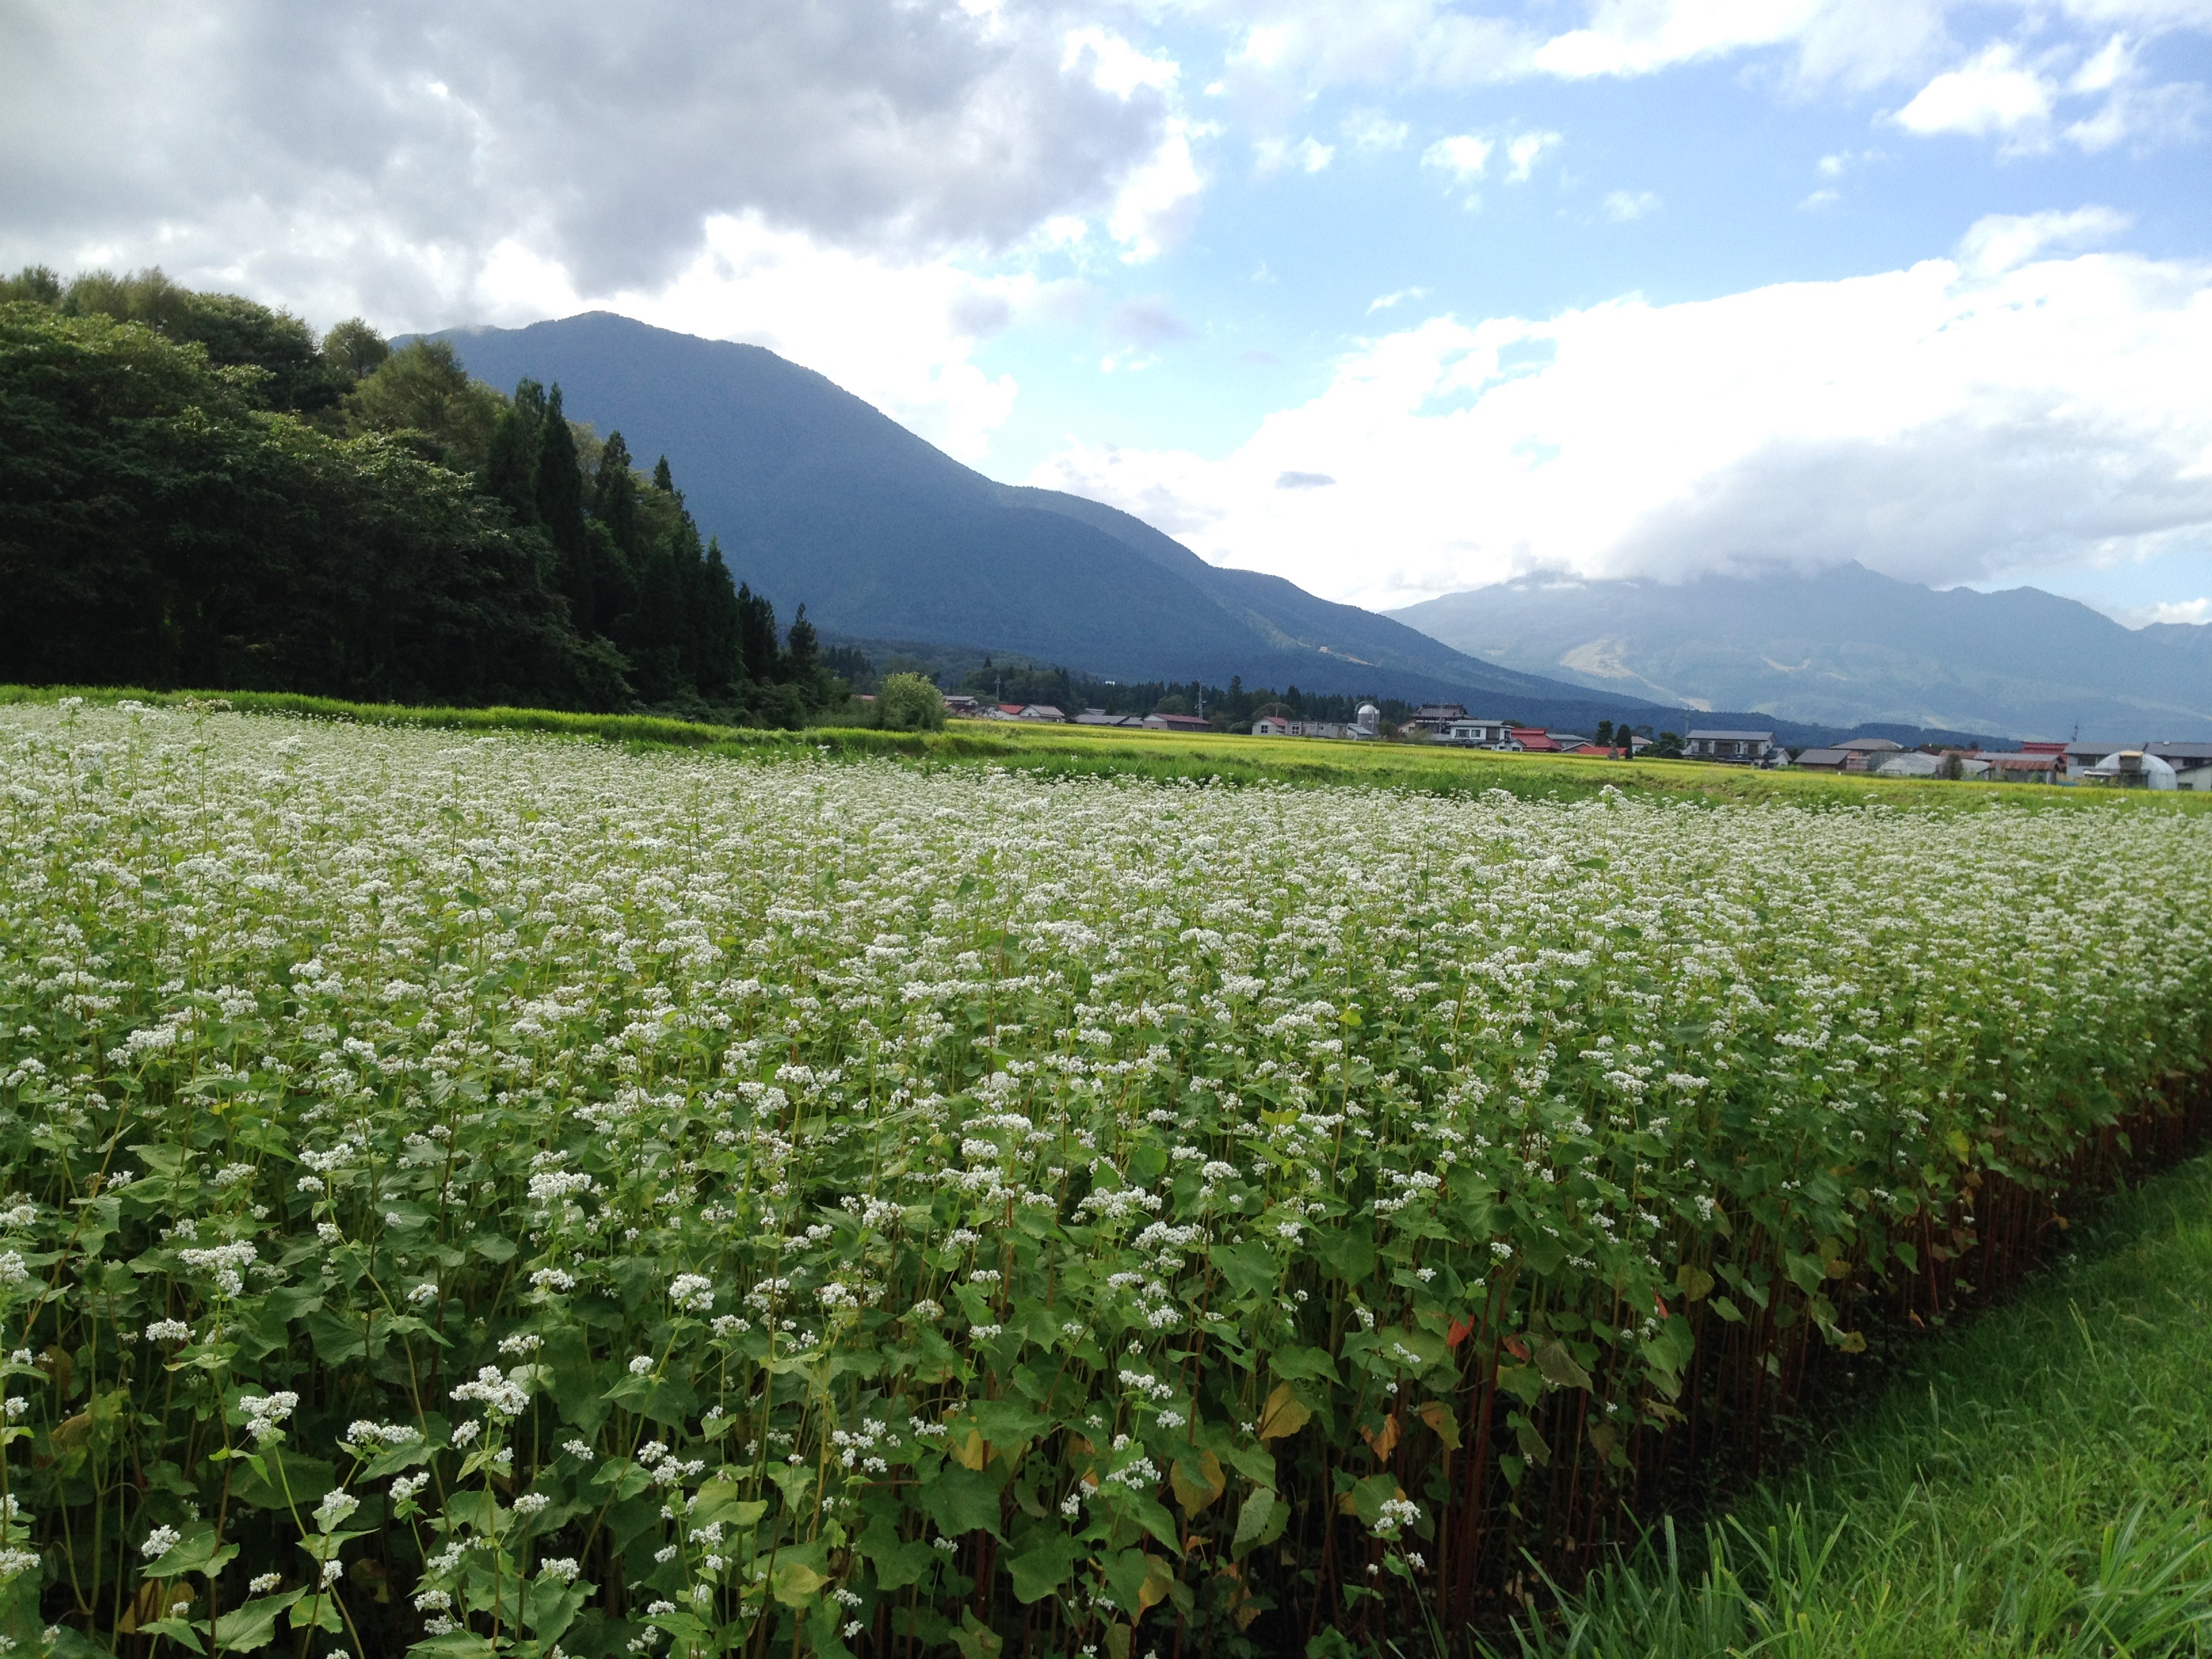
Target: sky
point(1393, 299)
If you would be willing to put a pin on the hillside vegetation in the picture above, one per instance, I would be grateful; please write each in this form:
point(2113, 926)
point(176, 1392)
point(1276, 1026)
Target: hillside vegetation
point(196, 491)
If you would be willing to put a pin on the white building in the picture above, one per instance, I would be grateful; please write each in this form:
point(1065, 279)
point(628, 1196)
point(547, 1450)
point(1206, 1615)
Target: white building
point(1478, 734)
point(1736, 748)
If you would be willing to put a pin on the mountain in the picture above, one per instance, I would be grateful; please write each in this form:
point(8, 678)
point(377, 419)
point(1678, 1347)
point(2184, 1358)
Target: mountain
point(1845, 646)
point(819, 498)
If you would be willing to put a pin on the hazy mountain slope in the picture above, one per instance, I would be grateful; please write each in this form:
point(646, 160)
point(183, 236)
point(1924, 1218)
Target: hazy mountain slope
point(1845, 646)
point(818, 497)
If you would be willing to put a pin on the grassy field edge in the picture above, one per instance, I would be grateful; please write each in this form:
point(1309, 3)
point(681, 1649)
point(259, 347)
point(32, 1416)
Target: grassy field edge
point(1158, 756)
point(2037, 1481)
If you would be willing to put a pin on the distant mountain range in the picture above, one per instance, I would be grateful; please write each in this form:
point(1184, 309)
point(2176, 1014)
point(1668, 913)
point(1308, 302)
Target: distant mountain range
point(819, 498)
point(1845, 646)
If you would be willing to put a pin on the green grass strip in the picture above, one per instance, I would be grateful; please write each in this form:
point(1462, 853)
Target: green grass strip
point(2037, 1482)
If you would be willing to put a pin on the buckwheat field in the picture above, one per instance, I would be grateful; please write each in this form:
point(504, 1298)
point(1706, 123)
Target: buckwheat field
point(515, 1196)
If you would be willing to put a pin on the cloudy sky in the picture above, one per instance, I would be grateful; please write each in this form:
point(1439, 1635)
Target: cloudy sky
point(1392, 298)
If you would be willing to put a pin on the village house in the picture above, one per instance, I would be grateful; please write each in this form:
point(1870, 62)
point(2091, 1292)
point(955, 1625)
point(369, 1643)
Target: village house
point(961, 707)
point(1367, 724)
point(1533, 739)
point(2081, 756)
point(1823, 760)
point(1434, 717)
point(1176, 723)
point(1735, 747)
point(2191, 762)
point(1100, 717)
point(1466, 733)
point(2028, 766)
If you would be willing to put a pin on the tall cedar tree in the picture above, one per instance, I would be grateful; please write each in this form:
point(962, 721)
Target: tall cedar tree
point(557, 491)
point(511, 465)
point(756, 646)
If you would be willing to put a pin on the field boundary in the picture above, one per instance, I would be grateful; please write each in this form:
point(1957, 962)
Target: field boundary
point(1219, 759)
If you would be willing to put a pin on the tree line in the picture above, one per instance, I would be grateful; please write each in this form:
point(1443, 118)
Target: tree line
point(197, 491)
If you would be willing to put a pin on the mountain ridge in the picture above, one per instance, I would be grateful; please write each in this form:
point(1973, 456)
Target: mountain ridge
point(1844, 645)
point(818, 497)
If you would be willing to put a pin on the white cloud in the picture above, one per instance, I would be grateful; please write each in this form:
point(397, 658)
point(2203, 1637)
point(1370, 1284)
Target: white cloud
point(1384, 301)
point(1305, 46)
point(1994, 96)
point(2197, 610)
point(1462, 155)
point(1372, 133)
point(2000, 94)
point(1157, 204)
point(2003, 241)
point(1523, 151)
point(386, 158)
point(1942, 423)
point(1116, 66)
point(1622, 206)
point(1273, 155)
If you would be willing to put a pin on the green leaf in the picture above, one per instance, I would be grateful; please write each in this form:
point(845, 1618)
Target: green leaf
point(200, 1551)
point(1293, 1364)
point(1558, 1366)
point(177, 1630)
point(1252, 1520)
point(1004, 1422)
point(315, 1612)
point(1044, 1565)
point(1249, 1268)
point(269, 1474)
point(254, 1626)
point(1125, 1570)
point(961, 1501)
point(550, 1607)
point(338, 1338)
point(976, 1639)
point(800, 1573)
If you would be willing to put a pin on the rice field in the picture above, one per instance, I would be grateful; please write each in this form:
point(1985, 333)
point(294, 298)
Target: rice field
point(478, 1193)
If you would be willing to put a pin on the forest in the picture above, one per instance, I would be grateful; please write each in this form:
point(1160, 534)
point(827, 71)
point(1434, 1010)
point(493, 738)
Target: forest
point(198, 492)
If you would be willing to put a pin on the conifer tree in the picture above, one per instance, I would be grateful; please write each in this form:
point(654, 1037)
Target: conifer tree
point(511, 466)
point(614, 494)
point(558, 492)
point(756, 646)
point(720, 656)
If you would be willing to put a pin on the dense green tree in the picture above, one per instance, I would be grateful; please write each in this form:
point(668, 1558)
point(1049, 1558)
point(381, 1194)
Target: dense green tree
point(614, 494)
point(756, 636)
point(158, 528)
point(195, 489)
point(354, 350)
point(719, 661)
point(422, 388)
point(236, 332)
point(36, 283)
point(557, 494)
point(511, 458)
point(908, 703)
